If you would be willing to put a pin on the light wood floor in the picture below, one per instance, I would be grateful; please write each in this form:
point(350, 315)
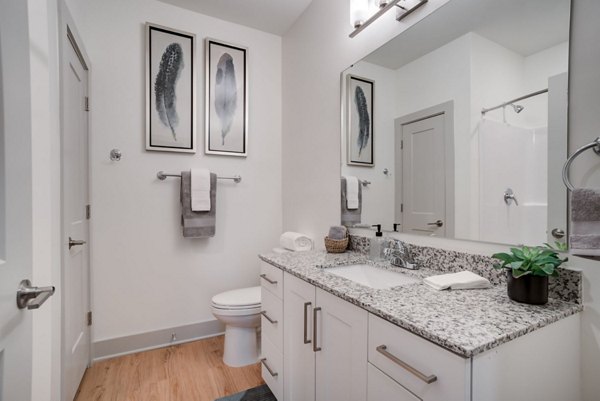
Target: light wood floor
point(188, 372)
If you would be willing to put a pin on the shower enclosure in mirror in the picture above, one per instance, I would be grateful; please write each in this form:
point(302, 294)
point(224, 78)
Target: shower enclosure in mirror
point(471, 124)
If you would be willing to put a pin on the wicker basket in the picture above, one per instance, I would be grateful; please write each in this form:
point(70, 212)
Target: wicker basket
point(336, 245)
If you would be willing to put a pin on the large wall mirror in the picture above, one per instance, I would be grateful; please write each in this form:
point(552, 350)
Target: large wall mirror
point(457, 127)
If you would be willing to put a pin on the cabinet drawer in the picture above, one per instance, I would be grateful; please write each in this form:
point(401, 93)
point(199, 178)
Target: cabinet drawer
point(404, 356)
point(271, 278)
point(272, 368)
point(272, 318)
point(381, 387)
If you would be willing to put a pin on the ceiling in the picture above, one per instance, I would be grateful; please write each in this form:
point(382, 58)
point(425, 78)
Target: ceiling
point(273, 16)
point(525, 27)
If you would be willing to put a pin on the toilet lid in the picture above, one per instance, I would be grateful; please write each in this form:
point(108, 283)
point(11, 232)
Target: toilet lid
point(243, 297)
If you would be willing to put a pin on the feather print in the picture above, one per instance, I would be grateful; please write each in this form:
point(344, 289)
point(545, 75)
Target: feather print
point(169, 70)
point(225, 93)
point(364, 122)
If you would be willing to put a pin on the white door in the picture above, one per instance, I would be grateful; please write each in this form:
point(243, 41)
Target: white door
point(341, 343)
point(299, 357)
point(76, 302)
point(15, 201)
point(424, 177)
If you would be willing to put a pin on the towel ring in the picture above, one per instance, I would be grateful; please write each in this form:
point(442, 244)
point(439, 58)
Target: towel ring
point(595, 145)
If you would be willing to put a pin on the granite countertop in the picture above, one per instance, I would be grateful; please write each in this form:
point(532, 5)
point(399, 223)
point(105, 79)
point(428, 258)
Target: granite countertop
point(466, 322)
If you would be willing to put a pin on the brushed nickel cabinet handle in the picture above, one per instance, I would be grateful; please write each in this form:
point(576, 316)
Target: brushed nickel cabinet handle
point(271, 372)
point(382, 349)
point(268, 280)
point(264, 313)
point(306, 305)
point(315, 348)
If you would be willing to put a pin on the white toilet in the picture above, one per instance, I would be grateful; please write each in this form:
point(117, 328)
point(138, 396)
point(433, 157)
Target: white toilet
point(239, 310)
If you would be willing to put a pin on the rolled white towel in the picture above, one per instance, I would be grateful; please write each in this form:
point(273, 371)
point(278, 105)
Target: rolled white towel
point(464, 280)
point(295, 241)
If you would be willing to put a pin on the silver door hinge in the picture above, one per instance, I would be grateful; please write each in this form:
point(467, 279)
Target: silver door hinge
point(89, 318)
point(88, 212)
point(87, 103)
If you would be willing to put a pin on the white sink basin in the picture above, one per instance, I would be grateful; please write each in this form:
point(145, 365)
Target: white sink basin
point(372, 276)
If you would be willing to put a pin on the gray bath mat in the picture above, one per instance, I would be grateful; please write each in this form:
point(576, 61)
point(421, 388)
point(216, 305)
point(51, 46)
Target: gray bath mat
point(260, 393)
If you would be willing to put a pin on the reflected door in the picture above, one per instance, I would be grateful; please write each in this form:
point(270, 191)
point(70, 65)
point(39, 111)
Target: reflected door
point(423, 177)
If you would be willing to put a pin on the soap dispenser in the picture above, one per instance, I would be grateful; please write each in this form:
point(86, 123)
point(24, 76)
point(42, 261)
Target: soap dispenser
point(376, 245)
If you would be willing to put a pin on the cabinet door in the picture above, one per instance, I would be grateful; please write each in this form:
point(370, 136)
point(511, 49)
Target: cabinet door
point(299, 358)
point(341, 362)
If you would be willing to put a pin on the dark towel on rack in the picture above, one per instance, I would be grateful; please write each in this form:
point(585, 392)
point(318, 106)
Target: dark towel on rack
point(197, 224)
point(350, 217)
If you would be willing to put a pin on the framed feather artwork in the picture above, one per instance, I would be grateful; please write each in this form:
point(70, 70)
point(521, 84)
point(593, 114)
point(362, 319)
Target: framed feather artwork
point(170, 90)
point(226, 131)
point(359, 103)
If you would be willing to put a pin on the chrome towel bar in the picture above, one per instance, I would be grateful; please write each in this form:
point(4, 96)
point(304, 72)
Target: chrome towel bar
point(161, 175)
point(595, 145)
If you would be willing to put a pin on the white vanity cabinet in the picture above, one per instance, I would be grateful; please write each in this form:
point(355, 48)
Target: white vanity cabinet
point(325, 339)
point(323, 348)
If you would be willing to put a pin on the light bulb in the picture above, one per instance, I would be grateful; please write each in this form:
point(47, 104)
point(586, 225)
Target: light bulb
point(359, 10)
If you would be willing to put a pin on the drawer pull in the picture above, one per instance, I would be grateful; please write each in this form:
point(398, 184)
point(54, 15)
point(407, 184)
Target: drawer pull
point(264, 362)
point(268, 280)
point(264, 313)
point(315, 348)
point(382, 349)
point(306, 305)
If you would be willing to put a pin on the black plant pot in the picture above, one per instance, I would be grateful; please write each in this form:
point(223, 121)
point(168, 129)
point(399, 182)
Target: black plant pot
point(528, 289)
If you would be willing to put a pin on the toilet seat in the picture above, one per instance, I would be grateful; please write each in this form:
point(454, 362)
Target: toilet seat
point(238, 302)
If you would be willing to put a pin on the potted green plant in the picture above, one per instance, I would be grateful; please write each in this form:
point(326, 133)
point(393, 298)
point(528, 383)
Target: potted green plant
point(528, 269)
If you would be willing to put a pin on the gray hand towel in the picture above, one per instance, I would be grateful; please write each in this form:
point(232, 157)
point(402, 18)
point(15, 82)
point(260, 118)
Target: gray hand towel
point(338, 232)
point(197, 224)
point(350, 217)
point(585, 205)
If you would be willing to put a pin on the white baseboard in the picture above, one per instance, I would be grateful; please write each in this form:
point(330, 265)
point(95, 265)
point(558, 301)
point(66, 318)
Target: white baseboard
point(155, 339)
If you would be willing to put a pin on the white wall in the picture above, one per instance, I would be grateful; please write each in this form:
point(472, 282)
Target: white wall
point(145, 275)
point(378, 197)
point(437, 77)
point(311, 137)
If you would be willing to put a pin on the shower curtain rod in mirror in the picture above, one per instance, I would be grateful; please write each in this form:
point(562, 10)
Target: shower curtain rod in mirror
point(483, 111)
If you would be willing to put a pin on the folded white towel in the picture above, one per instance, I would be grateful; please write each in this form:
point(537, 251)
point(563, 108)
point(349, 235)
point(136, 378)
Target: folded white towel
point(200, 190)
point(295, 241)
point(351, 192)
point(457, 281)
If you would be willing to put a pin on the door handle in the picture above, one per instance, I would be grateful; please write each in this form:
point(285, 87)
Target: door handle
point(268, 280)
point(271, 371)
point(75, 242)
point(558, 233)
point(306, 305)
point(315, 347)
point(382, 349)
point(31, 297)
point(272, 321)
point(438, 223)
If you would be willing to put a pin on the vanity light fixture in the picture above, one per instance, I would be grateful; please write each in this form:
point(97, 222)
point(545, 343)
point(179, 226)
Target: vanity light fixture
point(361, 9)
